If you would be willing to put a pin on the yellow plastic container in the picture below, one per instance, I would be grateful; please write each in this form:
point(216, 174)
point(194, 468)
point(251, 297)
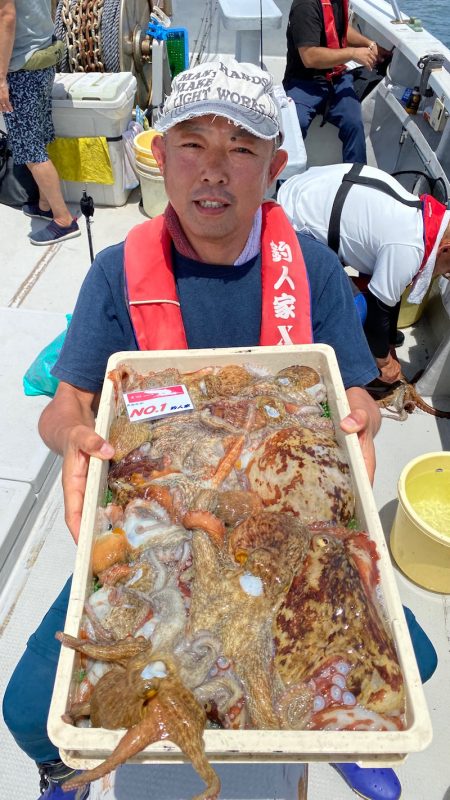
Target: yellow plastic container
point(411, 312)
point(420, 536)
point(143, 149)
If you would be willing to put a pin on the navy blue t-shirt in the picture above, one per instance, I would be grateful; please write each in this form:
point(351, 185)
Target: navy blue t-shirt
point(221, 307)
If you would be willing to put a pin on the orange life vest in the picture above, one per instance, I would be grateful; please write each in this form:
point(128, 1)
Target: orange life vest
point(331, 34)
point(152, 292)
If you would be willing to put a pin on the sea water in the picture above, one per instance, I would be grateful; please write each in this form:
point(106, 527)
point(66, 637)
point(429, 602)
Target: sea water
point(434, 15)
point(429, 496)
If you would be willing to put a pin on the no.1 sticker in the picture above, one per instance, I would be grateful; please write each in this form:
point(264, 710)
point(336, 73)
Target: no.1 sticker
point(147, 404)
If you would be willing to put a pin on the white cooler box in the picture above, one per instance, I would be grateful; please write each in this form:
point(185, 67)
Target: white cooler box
point(95, 104)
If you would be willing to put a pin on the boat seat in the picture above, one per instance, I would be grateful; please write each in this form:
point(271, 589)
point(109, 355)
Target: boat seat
point(293, 140)
point(246, 20)
point(26, 465)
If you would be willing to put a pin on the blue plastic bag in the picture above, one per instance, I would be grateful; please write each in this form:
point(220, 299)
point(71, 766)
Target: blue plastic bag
point(38, 378)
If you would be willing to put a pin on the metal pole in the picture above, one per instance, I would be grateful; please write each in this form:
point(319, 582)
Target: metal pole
point(87, 209)
point(396, 9)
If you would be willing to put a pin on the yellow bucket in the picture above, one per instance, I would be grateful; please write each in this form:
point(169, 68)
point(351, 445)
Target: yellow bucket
point(420, 535)
point(411, 312)
point(142, 145)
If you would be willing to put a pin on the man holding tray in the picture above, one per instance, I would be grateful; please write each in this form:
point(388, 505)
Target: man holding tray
point(218, 269)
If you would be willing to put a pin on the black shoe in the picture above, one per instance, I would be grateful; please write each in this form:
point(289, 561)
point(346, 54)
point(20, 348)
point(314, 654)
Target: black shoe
point(399, 339)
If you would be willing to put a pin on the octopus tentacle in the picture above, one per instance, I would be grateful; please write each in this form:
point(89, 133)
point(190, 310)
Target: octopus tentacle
point(131, 743)
point(120, 650)
point(225, 694)
point(196, 657)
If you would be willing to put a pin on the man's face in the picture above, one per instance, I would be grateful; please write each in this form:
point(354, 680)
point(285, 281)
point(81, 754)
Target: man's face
point(216, 175)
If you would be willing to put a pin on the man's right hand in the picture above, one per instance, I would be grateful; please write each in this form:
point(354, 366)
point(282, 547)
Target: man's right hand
point(67, 427)
point(82, 443)
point(366, 56)
point(390, 369)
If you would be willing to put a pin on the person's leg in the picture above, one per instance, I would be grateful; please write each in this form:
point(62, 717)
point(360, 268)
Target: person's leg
point(309, 98)
point(50, 195)
point(27, 698)
point(30, 127)
point(345, 113)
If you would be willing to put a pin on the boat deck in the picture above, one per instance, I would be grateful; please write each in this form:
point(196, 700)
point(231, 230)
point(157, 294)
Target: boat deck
point(38, 290)
point(39, 286)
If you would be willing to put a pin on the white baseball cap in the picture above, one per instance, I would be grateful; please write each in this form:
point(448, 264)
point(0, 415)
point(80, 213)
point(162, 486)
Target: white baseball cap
point(240, 92)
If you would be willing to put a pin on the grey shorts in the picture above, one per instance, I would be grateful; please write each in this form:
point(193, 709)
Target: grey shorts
point(30, 124)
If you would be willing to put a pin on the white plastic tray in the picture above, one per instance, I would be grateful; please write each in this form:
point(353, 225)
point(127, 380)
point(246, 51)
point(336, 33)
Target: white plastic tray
point(82, 747)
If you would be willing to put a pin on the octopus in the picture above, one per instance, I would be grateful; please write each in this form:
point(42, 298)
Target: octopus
point(223, 698)
point(126, 436)
point(117, 611)
point(296, 384)
point(130, 476)
point(280, 534)
point(228, 381)
point(142, 693)
point(189, 503)
point(305, 473)
point(109, 549)
point(402, 400)
point(237, 603)
point(127, 379)
point(238, 414)
point(185, 445)
point(148, 525)
point(329, 634)
point(228, 554)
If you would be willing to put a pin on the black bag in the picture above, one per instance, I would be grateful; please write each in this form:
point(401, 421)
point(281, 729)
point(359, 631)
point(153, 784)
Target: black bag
point(17, 185)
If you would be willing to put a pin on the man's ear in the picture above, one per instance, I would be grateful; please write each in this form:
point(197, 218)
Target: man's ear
point(277, 164)
point(158, 147)
point(443, 248)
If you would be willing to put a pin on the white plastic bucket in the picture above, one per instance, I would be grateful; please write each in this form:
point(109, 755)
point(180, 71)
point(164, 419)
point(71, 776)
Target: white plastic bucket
point(420, 537)
point(154, 198)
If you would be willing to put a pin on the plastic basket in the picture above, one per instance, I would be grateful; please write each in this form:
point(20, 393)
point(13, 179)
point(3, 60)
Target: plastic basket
point(82, 747)
point(177, 50)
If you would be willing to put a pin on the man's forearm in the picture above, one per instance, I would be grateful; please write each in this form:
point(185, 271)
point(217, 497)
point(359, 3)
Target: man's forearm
point(356, 39)
point(377, 325)
point(325, 57)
